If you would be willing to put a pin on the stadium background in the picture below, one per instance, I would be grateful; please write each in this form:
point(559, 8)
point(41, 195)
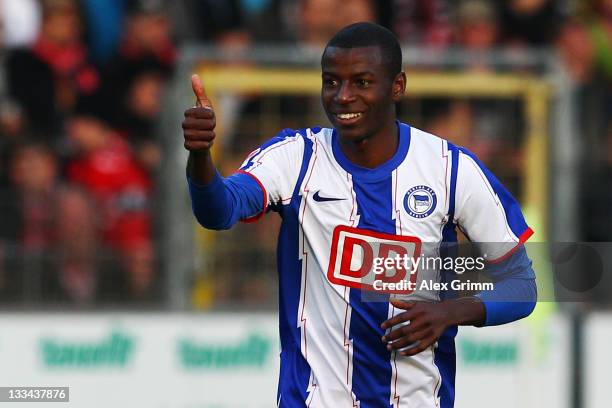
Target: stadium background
point(108, 286)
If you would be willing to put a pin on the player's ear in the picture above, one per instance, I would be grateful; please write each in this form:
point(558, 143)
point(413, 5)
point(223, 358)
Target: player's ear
point(399, 86)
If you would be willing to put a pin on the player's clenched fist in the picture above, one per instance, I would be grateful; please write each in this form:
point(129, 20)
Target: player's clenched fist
point(199, 123)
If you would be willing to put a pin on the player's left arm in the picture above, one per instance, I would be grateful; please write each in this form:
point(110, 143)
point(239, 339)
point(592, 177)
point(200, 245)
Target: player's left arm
point(514, 293)
point(492, 217)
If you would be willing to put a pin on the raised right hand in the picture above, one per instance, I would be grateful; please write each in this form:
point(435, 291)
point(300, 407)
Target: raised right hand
point(199, 123)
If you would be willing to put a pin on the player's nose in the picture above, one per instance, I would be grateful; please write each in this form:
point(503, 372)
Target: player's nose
point(344, 93)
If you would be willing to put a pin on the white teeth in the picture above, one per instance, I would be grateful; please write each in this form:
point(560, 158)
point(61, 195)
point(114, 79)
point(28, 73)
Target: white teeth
point(348, 115)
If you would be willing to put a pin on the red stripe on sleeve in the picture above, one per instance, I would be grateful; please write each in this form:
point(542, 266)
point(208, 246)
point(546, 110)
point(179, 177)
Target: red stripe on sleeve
point(522, 239)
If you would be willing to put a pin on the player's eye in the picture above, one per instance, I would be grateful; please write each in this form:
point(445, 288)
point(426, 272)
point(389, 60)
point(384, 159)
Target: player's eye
point(330, 82)
point(363, 83)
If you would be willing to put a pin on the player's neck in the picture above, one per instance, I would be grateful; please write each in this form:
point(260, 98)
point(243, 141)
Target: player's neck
point(372, 151)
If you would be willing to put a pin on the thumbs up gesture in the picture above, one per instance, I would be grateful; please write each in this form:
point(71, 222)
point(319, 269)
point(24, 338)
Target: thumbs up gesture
point(199, 123)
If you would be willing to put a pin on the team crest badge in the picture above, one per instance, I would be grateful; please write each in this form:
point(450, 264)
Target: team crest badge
point(420, 201)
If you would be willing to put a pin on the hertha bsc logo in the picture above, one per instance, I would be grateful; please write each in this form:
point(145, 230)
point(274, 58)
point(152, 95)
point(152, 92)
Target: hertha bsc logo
point(420, 201)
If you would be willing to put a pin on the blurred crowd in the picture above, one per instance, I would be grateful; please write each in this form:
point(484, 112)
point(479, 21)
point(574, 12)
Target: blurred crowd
point(81, 85)
point(81, 92)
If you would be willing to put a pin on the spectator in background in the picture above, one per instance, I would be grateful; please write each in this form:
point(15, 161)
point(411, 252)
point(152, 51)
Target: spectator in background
point(146, 37)
point(308, 22)
point(49, 78)
point(601, 36)
point(425, 23)
point(11, 132)
point(585, 45)
point(105, 167)
point(577, 51)
point(50, 229)
point(222, 22)
point(319, 20)
point(138, 111)
point(477, 31)
point(275, 22)
point(133, 82)
point(529, 22)
point(104, 23)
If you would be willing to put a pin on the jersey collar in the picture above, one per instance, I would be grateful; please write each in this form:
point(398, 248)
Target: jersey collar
point(379, 172)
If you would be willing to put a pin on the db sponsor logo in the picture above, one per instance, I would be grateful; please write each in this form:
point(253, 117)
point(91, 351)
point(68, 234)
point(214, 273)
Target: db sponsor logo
point(354, 250)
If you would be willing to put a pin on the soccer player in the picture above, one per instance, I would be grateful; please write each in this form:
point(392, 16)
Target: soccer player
point(370, 185)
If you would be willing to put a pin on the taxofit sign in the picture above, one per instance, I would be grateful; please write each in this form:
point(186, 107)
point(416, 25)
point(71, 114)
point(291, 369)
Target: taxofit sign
point(115, 349)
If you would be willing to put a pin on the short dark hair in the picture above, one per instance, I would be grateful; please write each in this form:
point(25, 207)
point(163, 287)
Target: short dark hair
point(368, 35)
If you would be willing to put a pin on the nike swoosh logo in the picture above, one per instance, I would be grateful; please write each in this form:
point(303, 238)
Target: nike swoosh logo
point(320, 199)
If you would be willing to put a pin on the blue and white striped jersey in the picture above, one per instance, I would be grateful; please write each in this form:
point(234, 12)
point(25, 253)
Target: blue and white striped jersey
point(332, 354)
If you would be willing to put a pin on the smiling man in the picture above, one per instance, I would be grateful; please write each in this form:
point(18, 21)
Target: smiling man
point(370, 187)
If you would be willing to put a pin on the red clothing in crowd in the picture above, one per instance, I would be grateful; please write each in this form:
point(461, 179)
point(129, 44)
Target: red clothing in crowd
point(122, 189)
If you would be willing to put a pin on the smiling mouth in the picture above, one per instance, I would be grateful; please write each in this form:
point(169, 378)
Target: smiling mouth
point(348, 116)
